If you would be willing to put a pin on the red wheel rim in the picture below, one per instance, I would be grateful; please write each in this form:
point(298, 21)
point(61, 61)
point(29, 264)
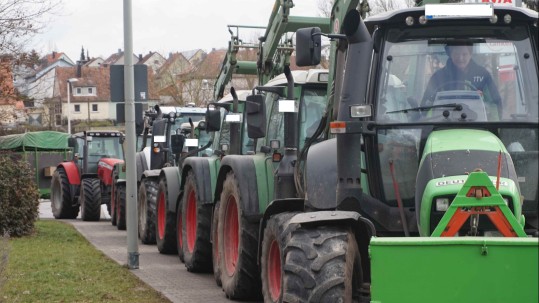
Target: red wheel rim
point(231, 235)
point(161, 215)
point(274, 271)
point(179, 231)
point(191, 224)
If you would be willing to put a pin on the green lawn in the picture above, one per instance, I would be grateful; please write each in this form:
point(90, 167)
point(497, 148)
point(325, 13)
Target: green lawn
point(57, 264)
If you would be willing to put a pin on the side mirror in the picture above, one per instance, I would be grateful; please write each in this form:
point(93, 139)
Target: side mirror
point(213, 120)
point(122, 139)
point(71, 142)
point(177, 141)
point(256, 116)
point(308, 46)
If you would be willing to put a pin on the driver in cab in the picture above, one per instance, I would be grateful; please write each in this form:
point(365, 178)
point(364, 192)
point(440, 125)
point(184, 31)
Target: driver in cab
point(462, 73)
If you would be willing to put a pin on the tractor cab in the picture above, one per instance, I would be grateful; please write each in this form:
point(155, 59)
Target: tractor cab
point(436, 123)
point(92, 146)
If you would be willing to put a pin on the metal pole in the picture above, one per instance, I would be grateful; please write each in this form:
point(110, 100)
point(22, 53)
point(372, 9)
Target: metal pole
point(68, 109)
point(129, 92)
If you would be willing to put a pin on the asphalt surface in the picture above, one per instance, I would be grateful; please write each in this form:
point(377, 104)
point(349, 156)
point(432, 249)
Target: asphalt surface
point(164, 273)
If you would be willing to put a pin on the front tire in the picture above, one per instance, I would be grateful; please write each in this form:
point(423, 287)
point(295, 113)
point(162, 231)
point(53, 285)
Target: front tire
point(276, 235)
point(166, 222)
point(196, 229)
point(147, 196)
point(322, 265)
point(62, 206)
point(238, 242)
point(90, 199)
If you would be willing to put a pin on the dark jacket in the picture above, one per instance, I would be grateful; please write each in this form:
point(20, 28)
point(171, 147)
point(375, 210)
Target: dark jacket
point(451, 78)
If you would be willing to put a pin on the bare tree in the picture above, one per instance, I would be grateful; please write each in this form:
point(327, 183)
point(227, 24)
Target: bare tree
point(22, 19)
point(324, 7)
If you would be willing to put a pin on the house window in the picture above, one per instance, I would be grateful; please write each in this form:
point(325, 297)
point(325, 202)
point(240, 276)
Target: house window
point(58, 120)
point(79, 90)
point(94, 107)
point(58, 108)
point(90, 90)
point(77, 108)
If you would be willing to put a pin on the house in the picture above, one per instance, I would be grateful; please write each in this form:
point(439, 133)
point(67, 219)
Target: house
point(118, 59)
point(194, 56)
point(166, 80)
point(94, 62)
point(153, 60)
point(11, 108)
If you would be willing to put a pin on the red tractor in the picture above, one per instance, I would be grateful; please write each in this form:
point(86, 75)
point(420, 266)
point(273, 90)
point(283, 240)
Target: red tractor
point(85, 182)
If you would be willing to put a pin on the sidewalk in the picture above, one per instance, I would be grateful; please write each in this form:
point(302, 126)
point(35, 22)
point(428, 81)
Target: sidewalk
point(165, 273)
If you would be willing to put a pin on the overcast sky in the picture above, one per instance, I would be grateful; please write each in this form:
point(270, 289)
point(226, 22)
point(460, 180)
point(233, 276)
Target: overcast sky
point(158, 25)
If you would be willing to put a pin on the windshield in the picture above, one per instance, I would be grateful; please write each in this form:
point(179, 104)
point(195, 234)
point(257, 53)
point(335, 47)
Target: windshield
point(451, 75)
point(104, 147)
point(184, 118)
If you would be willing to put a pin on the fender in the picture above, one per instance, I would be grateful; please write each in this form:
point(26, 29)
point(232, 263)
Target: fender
point(105, 167)
point(72, 172)
point(244, 168)
point(152, 173)
point(201, 168)
point(141, 160)
point(321, 175)
point(172, 178)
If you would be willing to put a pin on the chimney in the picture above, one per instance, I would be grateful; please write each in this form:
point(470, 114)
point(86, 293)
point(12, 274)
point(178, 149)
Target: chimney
point(79, 69)
point(139, 57)
point(53, 55)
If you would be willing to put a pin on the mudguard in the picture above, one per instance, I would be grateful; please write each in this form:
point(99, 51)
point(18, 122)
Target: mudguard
point(152, 173)
point(201, 167)
point(72, 172)
point(105, 167)
point(142, 162)
point(172, 177)
point(243, 167)
point(321, 175)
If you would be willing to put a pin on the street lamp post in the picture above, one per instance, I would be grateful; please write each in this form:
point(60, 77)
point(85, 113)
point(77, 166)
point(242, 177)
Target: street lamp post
point(69, 81)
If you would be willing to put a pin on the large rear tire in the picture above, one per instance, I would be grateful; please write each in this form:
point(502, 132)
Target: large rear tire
point(165, 230)
point(90, 199)
point(215, 246)
point(276, 235)
point(322, 265)
point(120, 207)
point(196, 229)
point(147, 196)
point(62, 206)
point(238, 242)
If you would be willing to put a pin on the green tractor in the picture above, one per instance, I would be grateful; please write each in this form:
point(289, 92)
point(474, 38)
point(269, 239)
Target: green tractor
point(416, 199)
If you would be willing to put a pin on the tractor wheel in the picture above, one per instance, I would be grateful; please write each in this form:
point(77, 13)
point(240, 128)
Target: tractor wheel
point(120, 207)
point(112, 211)
point(215, 245)
point(166, 222)
point(62, 207)
point(179, 234)
point(147, 194)
point(276, 235)
point(325, 261)
point(90, 199)
point(196, 229)
point(238, 242)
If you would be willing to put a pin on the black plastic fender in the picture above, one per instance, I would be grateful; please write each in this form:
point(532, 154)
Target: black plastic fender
point(201, 167)
point(142, 164)
point(244, 169)
point(321, 175)
point(172, 177)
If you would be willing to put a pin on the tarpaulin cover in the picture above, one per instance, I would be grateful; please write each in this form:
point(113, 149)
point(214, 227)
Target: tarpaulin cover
point(42, 140)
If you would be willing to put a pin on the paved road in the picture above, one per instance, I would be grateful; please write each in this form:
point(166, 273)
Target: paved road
point(165, 273)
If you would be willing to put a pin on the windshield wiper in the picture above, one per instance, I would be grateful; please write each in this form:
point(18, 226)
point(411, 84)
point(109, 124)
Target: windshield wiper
point(455, 106)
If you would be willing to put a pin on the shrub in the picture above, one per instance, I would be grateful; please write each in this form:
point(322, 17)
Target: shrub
point(4, 253)
point(18, 196)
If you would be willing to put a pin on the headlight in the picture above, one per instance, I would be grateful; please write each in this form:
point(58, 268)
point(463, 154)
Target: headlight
point(442, 204)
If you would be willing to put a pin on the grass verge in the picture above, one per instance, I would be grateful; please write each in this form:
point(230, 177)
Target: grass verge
point(57, 264)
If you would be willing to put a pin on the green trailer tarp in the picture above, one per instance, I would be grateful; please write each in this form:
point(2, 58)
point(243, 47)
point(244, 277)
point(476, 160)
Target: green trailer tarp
point(42, 150)
point(43, 140)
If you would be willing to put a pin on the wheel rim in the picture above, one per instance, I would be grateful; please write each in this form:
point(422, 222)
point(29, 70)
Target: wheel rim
point(57, 195)
point(161, 215)
point(191, 224)
point(231, 233)
point(274, 271)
